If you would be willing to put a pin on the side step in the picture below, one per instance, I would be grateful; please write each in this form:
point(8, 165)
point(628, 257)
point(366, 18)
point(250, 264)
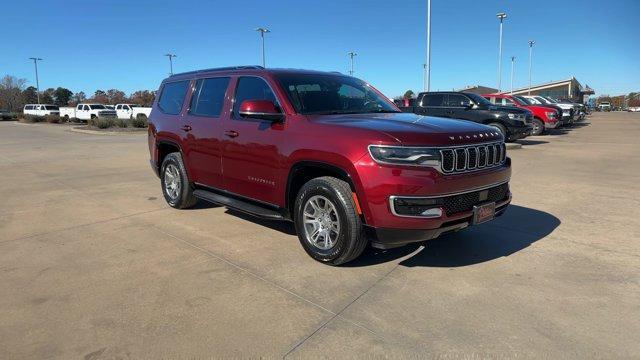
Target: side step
point(237, 204)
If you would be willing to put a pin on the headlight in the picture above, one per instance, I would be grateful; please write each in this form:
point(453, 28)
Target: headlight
point(405, 155)
point(516, 117)
point(551, 114)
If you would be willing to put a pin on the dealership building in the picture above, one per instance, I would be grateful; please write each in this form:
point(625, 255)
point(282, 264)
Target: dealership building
point(562, 89)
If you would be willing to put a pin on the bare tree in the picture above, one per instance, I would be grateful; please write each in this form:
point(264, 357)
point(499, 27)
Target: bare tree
point(11, 92)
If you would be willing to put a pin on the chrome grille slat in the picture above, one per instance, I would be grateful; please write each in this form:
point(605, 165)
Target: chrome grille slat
point(473, 157)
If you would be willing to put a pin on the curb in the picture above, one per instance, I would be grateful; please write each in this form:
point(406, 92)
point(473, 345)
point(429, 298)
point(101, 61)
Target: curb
point(95, 132)
point(513, 146)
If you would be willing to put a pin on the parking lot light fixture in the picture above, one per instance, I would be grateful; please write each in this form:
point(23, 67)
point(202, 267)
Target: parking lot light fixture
point(427, 66)
point(35, 63)
point(351, 54)
point(531, 43)
point(170, 56)
point(500, 16)
point(513, 62)
point(262, 31)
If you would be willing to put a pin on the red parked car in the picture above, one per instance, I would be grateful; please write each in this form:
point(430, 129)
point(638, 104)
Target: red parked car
point(326, 151)
point(543, 117)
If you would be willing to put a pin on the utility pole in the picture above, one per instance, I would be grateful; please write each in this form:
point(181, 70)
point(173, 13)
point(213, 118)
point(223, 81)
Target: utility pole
point(427, 66)
point(500, 16)
point(513, 62)
point(262, 31)
point(170, 56)
point(351, 56)
point(35, 63)
point(531, 42)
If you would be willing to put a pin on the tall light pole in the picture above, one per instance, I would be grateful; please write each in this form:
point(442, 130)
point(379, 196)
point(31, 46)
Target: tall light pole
point(513, 62)
point(170, 56)
point(35, 63)
point(262, 31)
point(427, 65)
point(351, 54)
point(500, 16)
point(531, 42)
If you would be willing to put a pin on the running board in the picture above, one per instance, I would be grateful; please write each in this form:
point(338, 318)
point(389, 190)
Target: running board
point(239, 205)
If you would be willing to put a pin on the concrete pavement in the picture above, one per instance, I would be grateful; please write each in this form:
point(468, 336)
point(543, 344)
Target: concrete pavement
point(94, 264)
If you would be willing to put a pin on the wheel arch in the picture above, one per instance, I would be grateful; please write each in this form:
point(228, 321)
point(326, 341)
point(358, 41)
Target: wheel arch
point(303, 171)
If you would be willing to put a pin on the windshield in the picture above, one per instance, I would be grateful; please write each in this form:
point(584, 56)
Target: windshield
point(523, 100)
point(479, 99)
point(51, 107)
point(550, 100)
point(332, 94)
point(97, 107)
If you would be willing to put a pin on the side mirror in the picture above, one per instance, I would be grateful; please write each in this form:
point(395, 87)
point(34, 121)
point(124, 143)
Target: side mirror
point(260, 109)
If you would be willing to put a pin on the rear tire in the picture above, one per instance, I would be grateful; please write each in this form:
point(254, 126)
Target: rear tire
point(328, 225)
point(538, 127)
point(176, 188)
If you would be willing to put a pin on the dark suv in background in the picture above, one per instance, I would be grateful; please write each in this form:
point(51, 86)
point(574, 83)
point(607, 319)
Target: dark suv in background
point(513, 123)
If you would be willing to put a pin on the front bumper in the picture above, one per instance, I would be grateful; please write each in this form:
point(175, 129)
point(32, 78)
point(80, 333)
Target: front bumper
point(552, 124)
point(387, 238)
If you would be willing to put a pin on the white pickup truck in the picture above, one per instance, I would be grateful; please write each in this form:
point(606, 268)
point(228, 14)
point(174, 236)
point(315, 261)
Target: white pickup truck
point(87, 111)
point(132, 111)
point(41, 109)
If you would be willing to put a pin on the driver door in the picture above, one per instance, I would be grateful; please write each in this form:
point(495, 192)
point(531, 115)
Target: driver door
point(251, 148)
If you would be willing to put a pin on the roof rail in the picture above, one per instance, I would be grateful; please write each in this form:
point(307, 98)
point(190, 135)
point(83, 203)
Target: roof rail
point(243, 67)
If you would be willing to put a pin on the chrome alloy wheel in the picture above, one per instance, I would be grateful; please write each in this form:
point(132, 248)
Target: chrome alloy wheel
point(172, 182)
point(321, 222)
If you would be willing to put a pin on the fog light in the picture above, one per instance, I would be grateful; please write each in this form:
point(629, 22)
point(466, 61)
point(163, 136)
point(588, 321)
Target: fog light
point(416, 207)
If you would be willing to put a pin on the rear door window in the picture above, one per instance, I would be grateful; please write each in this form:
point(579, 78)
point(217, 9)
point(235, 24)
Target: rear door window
point(208, 97)
point(432, 100)
point(456, 100)
point(172, 97)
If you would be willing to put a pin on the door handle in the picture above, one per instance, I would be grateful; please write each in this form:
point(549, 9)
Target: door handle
point(186, 128)
point(231, 133)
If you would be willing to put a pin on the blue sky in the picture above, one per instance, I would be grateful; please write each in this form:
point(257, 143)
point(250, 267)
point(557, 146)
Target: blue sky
point(89, 45)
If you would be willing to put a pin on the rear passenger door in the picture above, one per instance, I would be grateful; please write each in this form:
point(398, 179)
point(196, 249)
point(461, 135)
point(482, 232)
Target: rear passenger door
point(432, 105)
point(458, 107)
point(203, 123)
point(251, 147)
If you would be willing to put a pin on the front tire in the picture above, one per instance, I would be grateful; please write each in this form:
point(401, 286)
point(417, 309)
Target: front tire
point(501, 129)
point(328, 225)
point(176, 188)
point(538, 127)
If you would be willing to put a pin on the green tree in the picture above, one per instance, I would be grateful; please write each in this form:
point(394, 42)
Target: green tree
point(408, 94)
point(46, 97)
point(30, 95)
point(62, 96)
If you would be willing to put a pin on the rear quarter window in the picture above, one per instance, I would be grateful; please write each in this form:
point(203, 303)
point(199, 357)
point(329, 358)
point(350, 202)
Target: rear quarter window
point(172, 97)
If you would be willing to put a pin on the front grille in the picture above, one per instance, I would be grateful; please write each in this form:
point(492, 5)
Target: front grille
point(462, 159)
point(465, 202)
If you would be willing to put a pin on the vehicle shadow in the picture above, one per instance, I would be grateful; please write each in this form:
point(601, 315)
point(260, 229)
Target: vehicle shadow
point(518, 228)
point(531, 142)
point(285, 227)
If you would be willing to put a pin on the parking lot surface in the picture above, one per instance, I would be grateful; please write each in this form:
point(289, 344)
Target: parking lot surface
point(94, 264)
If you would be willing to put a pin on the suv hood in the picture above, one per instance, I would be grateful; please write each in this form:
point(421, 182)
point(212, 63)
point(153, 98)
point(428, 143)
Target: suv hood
point(413, 129)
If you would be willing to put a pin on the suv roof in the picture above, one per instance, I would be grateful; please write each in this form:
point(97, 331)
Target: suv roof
point(250, 69)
